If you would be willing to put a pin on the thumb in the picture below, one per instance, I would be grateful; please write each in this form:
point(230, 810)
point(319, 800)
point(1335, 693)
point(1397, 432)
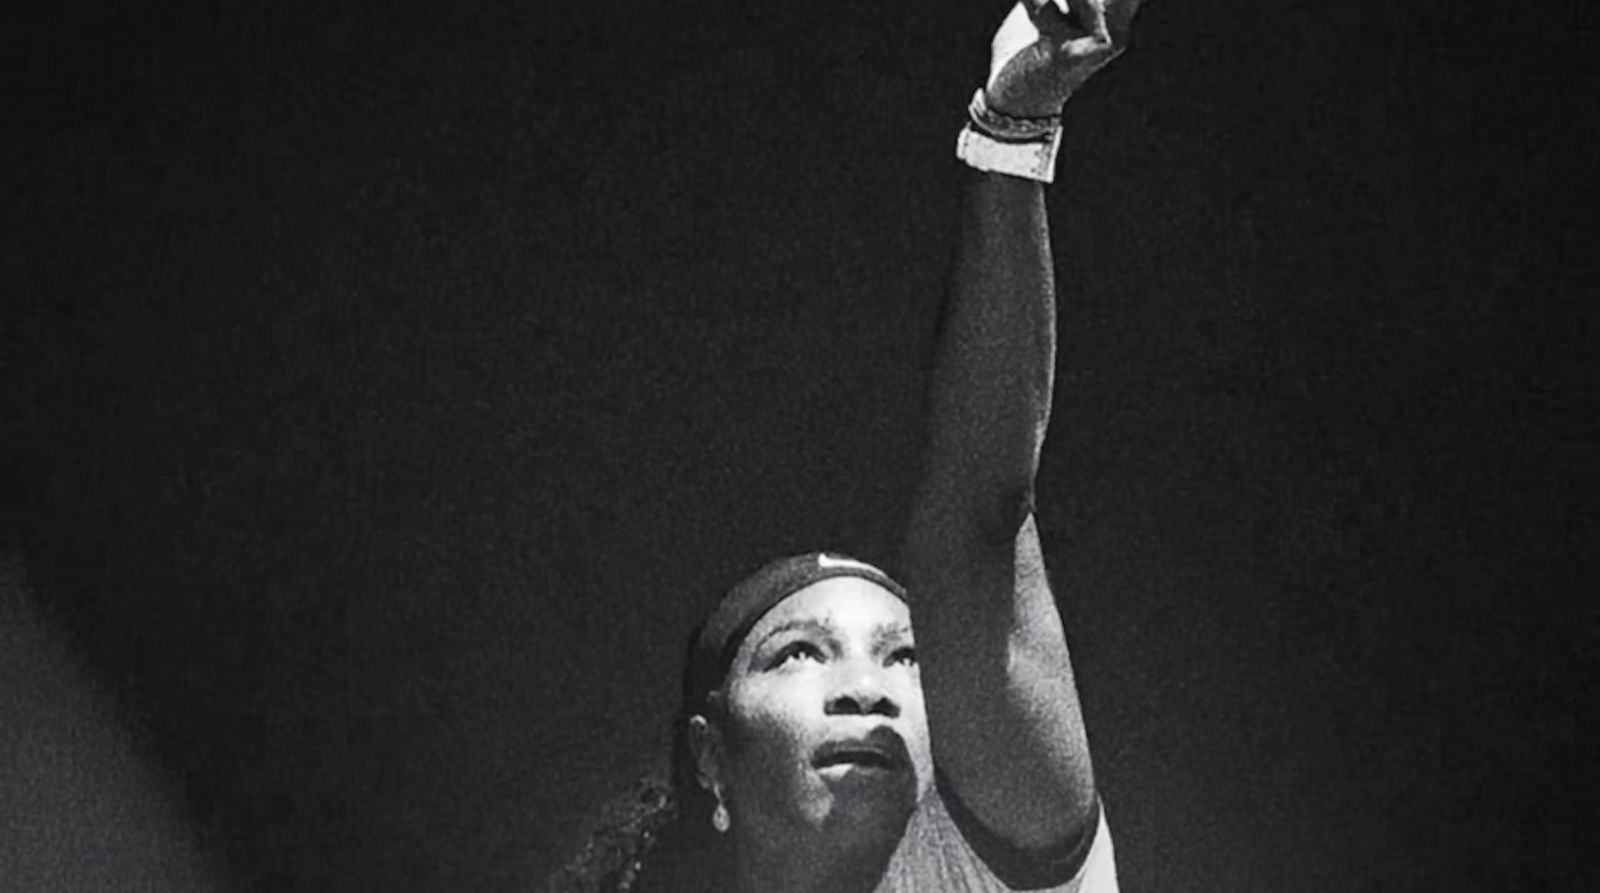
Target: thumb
point(1016, 33)
point(1068, 19)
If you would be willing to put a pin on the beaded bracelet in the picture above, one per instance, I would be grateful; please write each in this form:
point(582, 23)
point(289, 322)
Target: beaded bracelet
point(1021, 147)
point(1007, 129)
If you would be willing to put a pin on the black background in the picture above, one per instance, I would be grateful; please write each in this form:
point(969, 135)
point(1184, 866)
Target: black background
point(394, 388)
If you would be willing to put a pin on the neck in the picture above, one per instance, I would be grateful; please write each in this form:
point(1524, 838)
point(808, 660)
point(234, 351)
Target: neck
point(811, 866)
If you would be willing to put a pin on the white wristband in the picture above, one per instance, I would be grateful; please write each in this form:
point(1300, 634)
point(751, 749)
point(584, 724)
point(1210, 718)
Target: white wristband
point(1035, 160)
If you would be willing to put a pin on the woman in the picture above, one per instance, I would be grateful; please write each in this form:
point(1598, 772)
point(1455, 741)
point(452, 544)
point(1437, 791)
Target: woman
point(821, 748)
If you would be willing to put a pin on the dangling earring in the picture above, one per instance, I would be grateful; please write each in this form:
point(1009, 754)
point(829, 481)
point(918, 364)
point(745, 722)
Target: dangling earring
point(719, 816)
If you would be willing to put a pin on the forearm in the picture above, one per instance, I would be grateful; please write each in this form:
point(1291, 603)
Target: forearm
point(989, 398)
point(990, 401)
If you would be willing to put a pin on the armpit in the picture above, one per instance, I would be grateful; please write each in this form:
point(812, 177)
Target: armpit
point(1022, 868)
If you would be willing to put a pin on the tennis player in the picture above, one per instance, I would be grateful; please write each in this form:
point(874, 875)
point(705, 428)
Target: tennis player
point(846, 731)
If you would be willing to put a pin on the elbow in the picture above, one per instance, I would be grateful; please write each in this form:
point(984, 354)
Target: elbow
point(1008, 509)
point(974, 514)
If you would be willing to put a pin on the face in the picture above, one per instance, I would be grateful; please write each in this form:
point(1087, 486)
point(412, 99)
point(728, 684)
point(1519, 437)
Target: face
point(824, 729)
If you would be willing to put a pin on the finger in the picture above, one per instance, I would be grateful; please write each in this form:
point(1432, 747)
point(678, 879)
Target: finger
point(1088, 16)
point(1016, 32)
point(1053, 17)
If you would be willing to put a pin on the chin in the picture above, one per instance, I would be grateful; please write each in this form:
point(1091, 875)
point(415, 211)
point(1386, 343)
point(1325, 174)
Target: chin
point(871, 807)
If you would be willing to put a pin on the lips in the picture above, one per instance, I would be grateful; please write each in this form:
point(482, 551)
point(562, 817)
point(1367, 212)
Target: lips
point(879, 751)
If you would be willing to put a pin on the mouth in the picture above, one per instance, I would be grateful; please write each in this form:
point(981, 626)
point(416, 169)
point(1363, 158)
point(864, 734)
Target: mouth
point(871, 753)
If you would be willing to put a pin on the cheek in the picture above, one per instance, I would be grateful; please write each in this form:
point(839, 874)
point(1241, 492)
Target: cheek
point(776, 723)
point(915, 729)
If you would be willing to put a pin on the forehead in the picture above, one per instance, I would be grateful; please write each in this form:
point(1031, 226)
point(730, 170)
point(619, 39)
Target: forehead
point(847, 604)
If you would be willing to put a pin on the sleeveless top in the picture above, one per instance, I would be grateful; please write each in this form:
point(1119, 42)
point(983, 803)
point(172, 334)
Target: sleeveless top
point(945, 850)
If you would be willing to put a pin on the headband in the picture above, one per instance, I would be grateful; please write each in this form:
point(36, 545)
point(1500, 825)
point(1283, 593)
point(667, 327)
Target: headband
point(714, 645)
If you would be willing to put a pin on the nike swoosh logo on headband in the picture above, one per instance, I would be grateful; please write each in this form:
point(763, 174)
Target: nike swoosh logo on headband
point(829, 562)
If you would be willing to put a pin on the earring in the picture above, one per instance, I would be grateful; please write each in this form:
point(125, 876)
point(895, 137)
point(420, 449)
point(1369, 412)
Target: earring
point(719, 816)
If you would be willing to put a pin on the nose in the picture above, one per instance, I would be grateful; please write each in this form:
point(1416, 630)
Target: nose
point(862, 693)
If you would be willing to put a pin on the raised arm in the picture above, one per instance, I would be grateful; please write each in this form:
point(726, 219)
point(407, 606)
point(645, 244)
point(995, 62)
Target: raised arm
point(1003, 711)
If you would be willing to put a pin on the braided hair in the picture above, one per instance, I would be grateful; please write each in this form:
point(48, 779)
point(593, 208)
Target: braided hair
point(655, 837)
point(621, 836)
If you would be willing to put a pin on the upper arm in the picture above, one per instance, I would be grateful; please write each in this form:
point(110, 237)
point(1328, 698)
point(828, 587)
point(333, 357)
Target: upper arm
point(1003, 713)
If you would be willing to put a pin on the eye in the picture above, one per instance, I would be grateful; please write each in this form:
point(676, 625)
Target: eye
point(795, 652)
point(906, 655)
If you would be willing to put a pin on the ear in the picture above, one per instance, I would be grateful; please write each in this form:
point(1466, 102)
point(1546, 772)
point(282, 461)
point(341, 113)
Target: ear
point(706, 744)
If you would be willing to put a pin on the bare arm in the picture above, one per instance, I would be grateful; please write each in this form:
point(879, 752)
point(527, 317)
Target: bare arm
point(1003, 708)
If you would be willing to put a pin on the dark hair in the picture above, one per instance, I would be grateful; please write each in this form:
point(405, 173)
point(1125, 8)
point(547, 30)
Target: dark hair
point(656, 836)
point(621, 834)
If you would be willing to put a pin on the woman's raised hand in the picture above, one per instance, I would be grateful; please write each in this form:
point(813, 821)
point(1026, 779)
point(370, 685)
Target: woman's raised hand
point(1046, 49)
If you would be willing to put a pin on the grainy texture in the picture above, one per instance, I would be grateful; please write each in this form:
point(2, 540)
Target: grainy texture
point(389, 399)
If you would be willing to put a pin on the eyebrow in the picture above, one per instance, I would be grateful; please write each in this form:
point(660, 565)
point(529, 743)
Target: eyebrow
point(806, 623)
point(883, 632)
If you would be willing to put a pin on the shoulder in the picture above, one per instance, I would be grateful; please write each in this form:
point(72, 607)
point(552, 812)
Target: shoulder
point(946, 849)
